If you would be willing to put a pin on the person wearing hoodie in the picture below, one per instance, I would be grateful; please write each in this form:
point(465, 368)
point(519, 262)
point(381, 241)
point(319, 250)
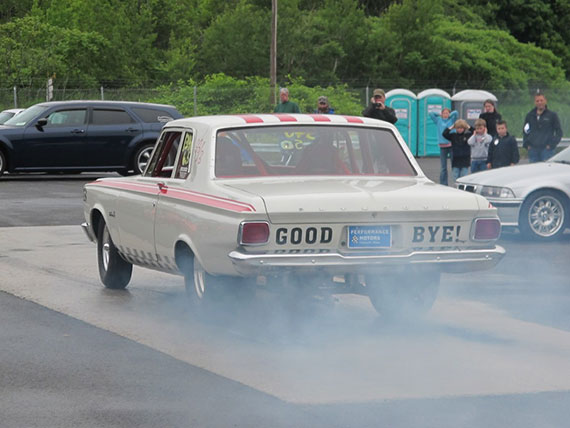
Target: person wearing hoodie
point(461, 151)
point(503, 150)
point(479, 143)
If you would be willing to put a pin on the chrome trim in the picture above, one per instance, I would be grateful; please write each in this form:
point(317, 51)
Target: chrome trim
point(87, 229)
point(457, 260)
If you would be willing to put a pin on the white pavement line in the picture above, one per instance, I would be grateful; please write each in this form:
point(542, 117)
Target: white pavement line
point(347, 355)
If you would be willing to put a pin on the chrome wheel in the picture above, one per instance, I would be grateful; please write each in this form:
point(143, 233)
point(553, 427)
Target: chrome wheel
point(546, 216)
point(105, 249)
point(543, 215)
point(199, 280)
point(115, 272)
point(141, 158)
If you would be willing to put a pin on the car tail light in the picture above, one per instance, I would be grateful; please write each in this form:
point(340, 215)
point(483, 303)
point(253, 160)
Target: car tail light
point(487, 228)
point(254, 233)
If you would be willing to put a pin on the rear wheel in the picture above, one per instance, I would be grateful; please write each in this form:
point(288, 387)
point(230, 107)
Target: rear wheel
point(2, 162)
point(203, 288)
point(114, 271)
point(543, 215)
point(141, 158)
point(410, 295)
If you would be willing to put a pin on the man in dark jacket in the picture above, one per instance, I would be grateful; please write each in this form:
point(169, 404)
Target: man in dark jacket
point(541, 131)
point(377, 108)
point(503, 150)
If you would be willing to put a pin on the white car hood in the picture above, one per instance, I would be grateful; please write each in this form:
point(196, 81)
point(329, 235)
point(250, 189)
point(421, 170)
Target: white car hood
point(391, 199)
point(516, 175)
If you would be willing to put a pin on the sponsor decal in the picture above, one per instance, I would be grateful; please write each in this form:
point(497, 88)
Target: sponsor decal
point(297, 236)
point(436, 233)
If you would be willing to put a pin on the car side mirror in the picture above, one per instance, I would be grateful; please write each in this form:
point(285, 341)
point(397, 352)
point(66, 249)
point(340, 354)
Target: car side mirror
point(41, 123)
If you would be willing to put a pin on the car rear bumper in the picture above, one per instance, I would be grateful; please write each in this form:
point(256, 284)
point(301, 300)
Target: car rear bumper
point(456, 260)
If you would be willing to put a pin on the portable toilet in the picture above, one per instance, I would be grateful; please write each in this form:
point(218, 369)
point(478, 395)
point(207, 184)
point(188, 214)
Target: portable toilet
point(430, 101)
point(469, 103)
point(405, 104)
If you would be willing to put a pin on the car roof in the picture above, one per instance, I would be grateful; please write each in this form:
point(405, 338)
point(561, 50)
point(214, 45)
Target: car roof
point(12, 110)
point(103, 103)
point(276, 119)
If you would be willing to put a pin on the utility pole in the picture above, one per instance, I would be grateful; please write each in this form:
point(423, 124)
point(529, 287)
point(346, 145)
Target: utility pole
point(273, 52)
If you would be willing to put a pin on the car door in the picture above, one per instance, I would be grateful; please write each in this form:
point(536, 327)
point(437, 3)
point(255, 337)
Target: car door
point(59, 144)
point(137, 211)
point(109, 134)
point(173, 212)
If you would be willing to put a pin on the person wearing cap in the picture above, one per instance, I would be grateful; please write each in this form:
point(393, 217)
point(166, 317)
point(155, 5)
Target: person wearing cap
point(286, 106)
point(323, 106)
point(377, 108)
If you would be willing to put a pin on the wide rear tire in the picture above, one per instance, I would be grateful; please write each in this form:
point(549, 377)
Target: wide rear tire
point(114, 271)
point(403, 296)
point(204, 289)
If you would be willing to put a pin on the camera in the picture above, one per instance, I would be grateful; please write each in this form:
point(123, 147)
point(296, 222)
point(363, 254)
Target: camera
point(378, 105)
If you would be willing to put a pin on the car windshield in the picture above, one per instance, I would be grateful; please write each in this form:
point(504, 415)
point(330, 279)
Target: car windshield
point(26, 116)
point(562, 157)
point(310, 150)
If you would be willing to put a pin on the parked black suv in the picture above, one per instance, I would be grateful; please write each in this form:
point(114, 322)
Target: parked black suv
point(74, 136)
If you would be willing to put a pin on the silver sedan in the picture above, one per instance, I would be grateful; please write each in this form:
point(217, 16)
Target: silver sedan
point(533, 197)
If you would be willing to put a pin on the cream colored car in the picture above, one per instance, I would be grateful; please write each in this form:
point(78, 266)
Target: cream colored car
point(310, 201)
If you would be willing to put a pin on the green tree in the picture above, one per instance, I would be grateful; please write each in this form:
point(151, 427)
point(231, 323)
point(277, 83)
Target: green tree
point(32, 50)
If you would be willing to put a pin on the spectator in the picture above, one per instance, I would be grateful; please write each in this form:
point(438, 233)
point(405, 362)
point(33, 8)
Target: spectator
point(479, 143)
point(286, 106)
point(323, 106)
point(542, 131)
point(377, 108)
point(504, 150)
point(444, 121)
point(461, 151)
point(491, 116)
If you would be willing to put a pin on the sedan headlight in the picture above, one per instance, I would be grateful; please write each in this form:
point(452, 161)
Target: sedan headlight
point(496, 192)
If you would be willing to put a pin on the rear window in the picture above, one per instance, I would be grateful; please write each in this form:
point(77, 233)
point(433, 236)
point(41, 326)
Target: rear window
point(310, 150)
point(110, 117)
point(150, 115)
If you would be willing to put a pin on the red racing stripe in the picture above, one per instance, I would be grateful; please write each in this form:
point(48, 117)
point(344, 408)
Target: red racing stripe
point(250, 118)
point(285, 118)
point(353, 119)
point(320, 117)
point(181, 194)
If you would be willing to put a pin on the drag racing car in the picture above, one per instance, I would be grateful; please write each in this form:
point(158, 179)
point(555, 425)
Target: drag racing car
point(232, 202)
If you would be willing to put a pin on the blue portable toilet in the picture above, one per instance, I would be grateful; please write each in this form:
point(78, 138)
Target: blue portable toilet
point(469, 103)
point(430, 101)
point(405, 104)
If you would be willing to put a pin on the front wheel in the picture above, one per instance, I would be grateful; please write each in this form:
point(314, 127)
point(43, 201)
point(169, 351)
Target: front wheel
point(114, 271)
point(141, 158)
point(407, 295)
point(543, 215)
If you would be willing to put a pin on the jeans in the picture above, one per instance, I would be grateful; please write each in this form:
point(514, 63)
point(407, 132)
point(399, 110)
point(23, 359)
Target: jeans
point(539, 155)
point(459, 172)
point(444, 154)
point(478, 165)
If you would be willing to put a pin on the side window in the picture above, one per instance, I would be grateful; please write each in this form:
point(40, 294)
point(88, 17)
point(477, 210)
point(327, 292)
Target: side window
point(150, 115)
point(67, 118)
point(183, 168)
point(162, 162)
point(110, 117)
